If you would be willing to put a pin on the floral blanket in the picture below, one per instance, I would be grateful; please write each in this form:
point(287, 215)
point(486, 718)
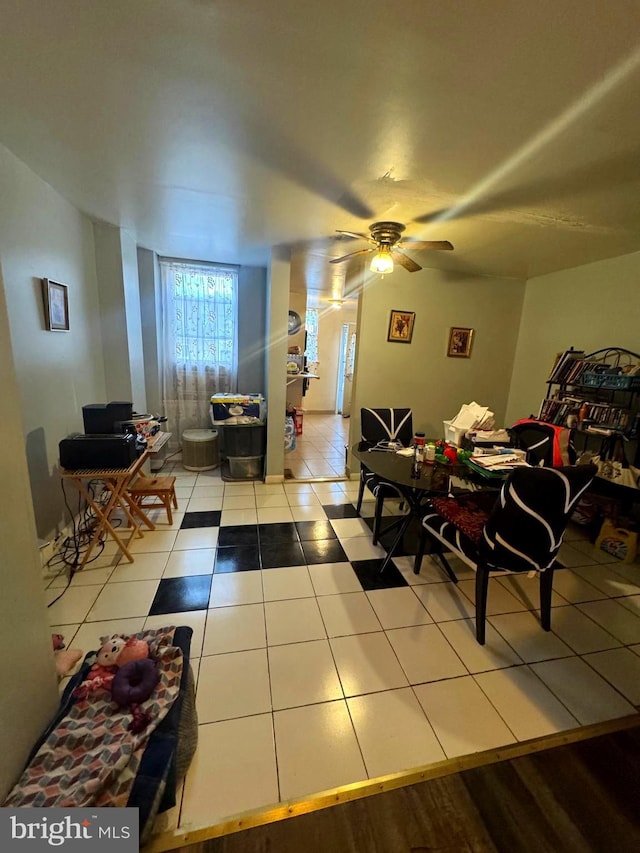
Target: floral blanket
point(89, 758)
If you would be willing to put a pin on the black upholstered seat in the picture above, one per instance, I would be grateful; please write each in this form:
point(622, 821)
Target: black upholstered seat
point(521, 533)
point(378, 425)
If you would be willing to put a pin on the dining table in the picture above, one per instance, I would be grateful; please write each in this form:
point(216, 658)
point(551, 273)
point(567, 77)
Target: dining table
point(418, 483)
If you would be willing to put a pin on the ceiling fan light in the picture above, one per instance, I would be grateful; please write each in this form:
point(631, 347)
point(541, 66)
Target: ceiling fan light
point(382, 262)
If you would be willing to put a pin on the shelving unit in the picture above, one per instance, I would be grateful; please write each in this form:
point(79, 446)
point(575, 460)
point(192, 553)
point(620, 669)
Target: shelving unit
point(597, 393)
point(291, 377)
point(300, 363)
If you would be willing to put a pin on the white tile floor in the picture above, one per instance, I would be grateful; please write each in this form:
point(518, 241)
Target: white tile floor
point(320, 450)
point(309, 677)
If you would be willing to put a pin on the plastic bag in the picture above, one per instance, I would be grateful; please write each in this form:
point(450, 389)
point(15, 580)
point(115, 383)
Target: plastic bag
point(289, 434)
point(614, 466)
point(620, 542)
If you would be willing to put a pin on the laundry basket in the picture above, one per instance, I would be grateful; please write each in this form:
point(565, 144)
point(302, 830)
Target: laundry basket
point(200, 449)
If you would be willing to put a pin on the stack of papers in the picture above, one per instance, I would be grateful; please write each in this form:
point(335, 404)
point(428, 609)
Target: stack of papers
point(473, 416)
point(499, 462)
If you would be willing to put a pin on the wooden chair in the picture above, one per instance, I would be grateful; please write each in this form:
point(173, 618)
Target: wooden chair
point(160, 489)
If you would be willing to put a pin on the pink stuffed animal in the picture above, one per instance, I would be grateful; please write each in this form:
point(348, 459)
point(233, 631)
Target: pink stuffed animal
point(113, 654)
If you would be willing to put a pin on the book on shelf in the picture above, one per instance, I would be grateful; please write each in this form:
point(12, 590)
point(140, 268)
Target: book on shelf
point(564, 364)
point(555, 410)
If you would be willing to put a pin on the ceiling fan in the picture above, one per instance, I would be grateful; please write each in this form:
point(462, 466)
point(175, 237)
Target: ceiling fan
point(388, 246)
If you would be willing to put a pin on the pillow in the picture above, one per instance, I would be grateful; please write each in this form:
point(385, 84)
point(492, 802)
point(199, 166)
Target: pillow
point(134, 682)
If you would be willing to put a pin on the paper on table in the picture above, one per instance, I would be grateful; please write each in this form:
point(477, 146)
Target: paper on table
point(500, 460)
point(473, 416)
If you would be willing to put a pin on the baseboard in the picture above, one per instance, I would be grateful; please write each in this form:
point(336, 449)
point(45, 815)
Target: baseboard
point(270, 479)
point(53, 547)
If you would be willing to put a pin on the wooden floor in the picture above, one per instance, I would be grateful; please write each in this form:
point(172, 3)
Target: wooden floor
point(581, 797)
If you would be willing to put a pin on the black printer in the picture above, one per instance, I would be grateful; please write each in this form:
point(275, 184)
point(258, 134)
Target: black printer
point(98, 451)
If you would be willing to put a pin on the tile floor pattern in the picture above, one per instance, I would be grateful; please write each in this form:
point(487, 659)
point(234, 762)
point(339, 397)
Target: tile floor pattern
point(320, 450)
point(313, 671)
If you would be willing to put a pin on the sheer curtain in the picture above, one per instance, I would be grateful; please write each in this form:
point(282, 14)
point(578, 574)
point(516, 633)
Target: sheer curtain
point(199, 353)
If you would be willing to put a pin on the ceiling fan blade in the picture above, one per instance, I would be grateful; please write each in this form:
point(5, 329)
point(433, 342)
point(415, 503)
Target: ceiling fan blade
point(427, 244)
point(350, 255)
point(405, 261)
point(355, 234)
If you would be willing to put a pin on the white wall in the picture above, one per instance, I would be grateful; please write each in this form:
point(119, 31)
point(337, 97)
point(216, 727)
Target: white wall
point(131, 283)
point(252, 311)
point(150, 308)
point(588, 307)
point(420, 374)
point(276, 365)
point(42, 235)
point(29, 692)
point(321, 396)
point(118, 287)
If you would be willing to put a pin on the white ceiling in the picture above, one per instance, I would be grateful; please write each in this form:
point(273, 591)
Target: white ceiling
point(216, 129)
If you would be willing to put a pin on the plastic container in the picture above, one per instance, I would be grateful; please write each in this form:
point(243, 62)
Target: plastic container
point(200, 449)
point(243, 439)
point(453, 435)
point(245, 467)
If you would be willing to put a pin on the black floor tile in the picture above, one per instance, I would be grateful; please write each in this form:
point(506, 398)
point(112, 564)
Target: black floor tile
point(341, 511)
point(323, 551)
point(284, 531)
point(275, 555)
point(177, 595)
point(368, 572)
point(410, 541)
point(201, 519)
point(241, 558)
point(308, 530)
point(239, 534)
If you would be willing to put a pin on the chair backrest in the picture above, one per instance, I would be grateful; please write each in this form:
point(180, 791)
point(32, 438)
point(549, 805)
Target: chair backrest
point(386, 425)
point(546, 444)
point(525, 528)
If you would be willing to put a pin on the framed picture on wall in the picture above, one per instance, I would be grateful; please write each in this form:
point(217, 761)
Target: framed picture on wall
point(56, 305)
point(460, 342)
point(401, 326)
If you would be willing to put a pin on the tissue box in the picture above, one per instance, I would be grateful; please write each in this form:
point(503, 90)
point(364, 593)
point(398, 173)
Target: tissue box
point(453, 435)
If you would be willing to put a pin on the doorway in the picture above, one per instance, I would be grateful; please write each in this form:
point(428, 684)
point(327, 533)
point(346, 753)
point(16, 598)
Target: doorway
point(319, 450)
point(346, 366)
point(326, 405)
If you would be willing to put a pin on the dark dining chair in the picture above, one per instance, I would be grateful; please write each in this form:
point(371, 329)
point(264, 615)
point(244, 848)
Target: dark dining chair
point(380, 425)
point(545, 444)
point(521, 533)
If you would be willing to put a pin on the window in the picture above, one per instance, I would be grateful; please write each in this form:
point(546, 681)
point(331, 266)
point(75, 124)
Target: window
point(311, 325)
point(202, 303)
point(199, 344)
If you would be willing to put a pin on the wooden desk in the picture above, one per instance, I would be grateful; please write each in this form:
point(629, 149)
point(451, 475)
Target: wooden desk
point(115, 480)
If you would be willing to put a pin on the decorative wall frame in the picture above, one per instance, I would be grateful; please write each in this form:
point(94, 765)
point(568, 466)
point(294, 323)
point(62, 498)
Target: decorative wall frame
point(460, 342)
point(56, 305)
point(401, 326)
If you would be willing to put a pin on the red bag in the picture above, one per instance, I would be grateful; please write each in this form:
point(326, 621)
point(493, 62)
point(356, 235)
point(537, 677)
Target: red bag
point(546, 444)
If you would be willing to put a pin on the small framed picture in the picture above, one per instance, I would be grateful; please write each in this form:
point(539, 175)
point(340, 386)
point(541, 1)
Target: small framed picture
point(56, 305)
point(460, 342)
point(401, 326)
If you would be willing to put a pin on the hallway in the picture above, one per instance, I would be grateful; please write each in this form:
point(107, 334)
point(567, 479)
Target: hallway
point(320, 450)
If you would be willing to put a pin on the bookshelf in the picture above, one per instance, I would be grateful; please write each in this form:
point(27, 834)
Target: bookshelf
point(595, 393)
